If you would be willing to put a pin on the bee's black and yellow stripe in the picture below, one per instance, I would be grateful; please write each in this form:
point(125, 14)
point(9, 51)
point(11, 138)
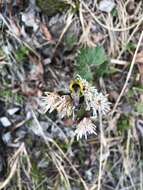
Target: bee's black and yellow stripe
point(76, 91)
point(76, 86)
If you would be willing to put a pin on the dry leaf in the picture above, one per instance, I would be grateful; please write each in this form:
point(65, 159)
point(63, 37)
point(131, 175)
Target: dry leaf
point(34, 80)
point(14, 28)
point(139, 57)
point(29, 91)
point(139, 61)
point(36, 70)
point(68, 122)
point(46, 32)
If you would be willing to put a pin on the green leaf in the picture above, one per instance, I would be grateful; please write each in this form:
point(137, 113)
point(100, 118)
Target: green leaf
point(139, 108)
point(130, 47)
point(22, 53)
point(90, 57)
point(99, 56)
point(84, 71)
point(138, 89)
point(103, 70)
point(123, 124)
point(114, 12)
point(70, 40)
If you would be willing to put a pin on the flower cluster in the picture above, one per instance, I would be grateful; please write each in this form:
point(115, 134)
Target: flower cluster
point(84, 128)
point(95, 102)
point(52, 101)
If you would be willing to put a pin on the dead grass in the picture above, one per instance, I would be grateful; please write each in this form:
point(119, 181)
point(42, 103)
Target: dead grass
point(111, 161)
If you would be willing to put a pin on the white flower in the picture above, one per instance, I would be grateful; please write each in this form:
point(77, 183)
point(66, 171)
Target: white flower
point(52, 101)
point(102, 104)
point(89, 95)
point(49, 102)
point(84, 128)
point(65, 106)
point(95, 101)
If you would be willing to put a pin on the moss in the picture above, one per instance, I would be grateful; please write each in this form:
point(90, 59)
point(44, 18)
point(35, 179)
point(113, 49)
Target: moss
point(52, 7)
point(70, 41)
point(37, 175)
point(123, 124)
point(22, 53)
point(139, 107)
point(8, 95)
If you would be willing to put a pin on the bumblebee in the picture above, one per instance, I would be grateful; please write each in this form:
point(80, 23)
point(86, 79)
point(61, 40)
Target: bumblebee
point(76, 92)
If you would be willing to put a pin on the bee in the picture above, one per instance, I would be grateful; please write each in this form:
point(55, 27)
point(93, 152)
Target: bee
point(76, 95)
point(76, 92)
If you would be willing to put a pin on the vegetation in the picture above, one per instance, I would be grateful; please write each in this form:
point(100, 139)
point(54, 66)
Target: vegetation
point(71, 95)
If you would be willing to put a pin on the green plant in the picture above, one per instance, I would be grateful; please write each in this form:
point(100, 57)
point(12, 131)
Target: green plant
point(36, 174)
point(70, 41)
point(22, 53)
point(130, 47)
point(8, 95)
point(52, 7)
point(138, 89)
point(114, 13)
point(88, 58)
point(139, 107)
point(123, 124)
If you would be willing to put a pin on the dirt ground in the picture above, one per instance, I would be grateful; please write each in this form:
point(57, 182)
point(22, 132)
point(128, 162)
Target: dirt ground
point(54, 54)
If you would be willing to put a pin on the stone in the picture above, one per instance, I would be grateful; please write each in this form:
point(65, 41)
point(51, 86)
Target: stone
point(106, 5)
point(5, 122)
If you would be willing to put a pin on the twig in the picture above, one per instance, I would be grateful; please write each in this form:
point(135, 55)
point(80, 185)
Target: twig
point(19, 184)
point(102, 142)
point(119, 62)
point(111, 28)
point(15, 161)
point(102, 145)
point(130, 37)
point(68, 23)
point(129, 74)
point(141, 177)
point(126, 166)
point(47, 140)
point(100, 167)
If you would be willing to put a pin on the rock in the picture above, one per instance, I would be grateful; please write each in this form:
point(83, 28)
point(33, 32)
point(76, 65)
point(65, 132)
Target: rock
point(28, 115)
point(43, 164)
point(12, 111)
point(21, 133)
point(106, 5)
point(29, 19)
point(7, 138)
point(5, 122)
point(89, 175)
point(38, 130)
